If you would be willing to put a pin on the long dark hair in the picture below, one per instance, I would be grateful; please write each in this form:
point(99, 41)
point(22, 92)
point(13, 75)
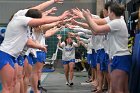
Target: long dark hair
point(66, 40)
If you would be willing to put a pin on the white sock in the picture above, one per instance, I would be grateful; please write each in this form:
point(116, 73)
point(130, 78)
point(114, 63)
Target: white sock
point(71, 81)
point(67, 81)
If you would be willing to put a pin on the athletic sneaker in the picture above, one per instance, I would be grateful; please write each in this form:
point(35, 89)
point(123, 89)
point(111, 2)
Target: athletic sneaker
point(71, 84)
point(43, 89)
point(84, 70)
point(89, 80)
point(67, 83)
point(39, 85)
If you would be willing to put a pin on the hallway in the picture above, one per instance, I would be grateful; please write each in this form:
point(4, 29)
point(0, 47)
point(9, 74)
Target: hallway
point(55, 83)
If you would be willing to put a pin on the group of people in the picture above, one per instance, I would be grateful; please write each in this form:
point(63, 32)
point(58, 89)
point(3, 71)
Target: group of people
point(23, 51)
point(106, 42)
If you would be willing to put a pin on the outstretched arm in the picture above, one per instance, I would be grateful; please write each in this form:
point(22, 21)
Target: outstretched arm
point(44, 5)
point(59, 40)
point(80, 29)
point(78, 41)
point(50, 11)
point(32, 44)
point(83, 44)
point(100, 21)
point(84, 40)
point(49, 26)
point(79, 14)
point(48, 19)
point(94, 26)
point(52, 32)
point(81, 24)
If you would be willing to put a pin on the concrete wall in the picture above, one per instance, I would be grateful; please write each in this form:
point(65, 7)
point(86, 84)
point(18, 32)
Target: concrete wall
point(9, 7)
point(99, 6)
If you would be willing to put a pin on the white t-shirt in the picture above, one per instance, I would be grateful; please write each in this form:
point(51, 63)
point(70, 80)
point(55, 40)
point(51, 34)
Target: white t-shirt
point(107, 19)
point(39, 38)
point(88, 45)
point(16, 35)
point(68, 51)
point(93, 42)
point(28, 51)
point(99, 42)
point(26, 48)
point(21, 13)
point(118, 38)
point(106, 43)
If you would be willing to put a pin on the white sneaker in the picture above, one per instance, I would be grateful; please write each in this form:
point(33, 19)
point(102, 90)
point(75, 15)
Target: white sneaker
point(67, 83)
point(84, 83)
point(71, 83)
point(84, 70)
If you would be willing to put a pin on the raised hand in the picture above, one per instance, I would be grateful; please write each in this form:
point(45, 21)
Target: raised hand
point(59, 36)
point(86, 13)
point(50, 11)
point(71, 34)
point(69, 26)
point(74, 22)
point(58, 1)
point(43, 48)
point(57, 28)
point(78, 38)
point(64, 15)
point(67, 20)
point(77, 13)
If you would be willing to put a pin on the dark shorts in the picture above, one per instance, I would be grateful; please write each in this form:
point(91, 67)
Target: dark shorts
point(5, 59)
point(121, 63)
point(67, 62)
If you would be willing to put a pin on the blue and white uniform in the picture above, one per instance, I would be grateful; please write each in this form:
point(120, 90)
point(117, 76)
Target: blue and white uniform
point(88, 48)
point(21, 57)
point(16, 32)
point(68, 52)
point(92, 43)
point(118, 38)
point(39, 54)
